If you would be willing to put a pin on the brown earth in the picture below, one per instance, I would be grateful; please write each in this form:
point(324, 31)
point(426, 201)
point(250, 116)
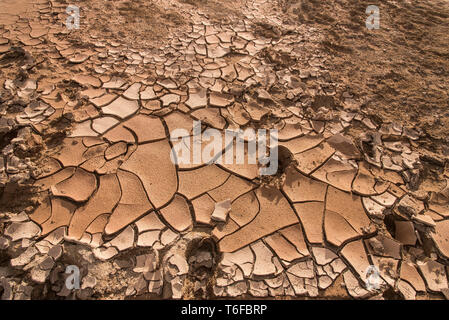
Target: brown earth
point(395, 74)
point(399, 72)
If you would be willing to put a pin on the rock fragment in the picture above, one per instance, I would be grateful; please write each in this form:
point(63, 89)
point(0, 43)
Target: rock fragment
point(221, 210)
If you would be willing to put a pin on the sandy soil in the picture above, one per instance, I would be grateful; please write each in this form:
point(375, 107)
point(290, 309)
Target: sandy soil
point(398, 73)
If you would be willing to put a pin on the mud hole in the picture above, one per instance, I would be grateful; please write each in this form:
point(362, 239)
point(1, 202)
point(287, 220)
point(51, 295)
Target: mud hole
point(202, 256)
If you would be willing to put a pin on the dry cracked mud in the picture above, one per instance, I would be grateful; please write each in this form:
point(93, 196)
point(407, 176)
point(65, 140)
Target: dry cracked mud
point(86, 177)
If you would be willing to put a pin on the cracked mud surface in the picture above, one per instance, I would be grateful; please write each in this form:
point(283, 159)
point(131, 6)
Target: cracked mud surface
point(86, 176)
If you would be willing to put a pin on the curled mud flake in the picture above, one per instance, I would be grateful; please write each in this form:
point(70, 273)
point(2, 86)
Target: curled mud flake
point(197, 98)
point(203, 207)
point(22, 230)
